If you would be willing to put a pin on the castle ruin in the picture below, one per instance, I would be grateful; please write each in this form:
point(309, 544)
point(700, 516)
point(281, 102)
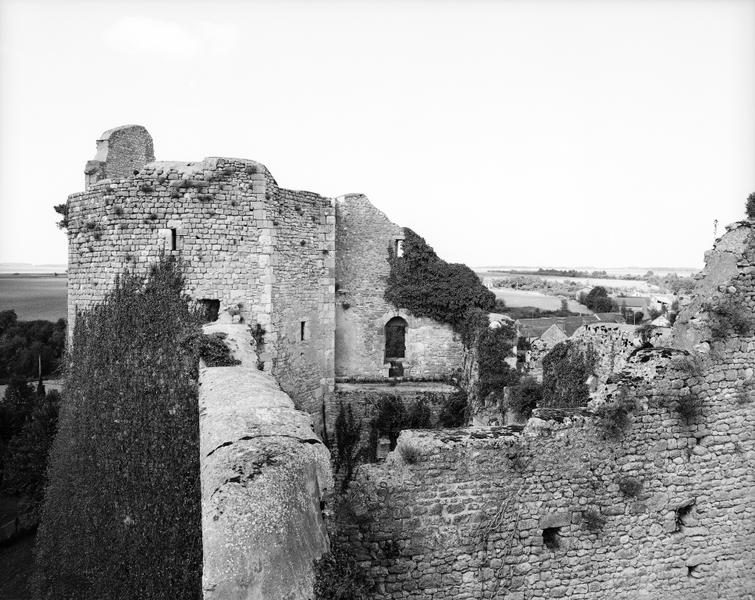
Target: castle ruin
point(561, 509)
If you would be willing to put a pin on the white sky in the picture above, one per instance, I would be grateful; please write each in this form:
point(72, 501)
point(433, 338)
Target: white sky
point(530, 133)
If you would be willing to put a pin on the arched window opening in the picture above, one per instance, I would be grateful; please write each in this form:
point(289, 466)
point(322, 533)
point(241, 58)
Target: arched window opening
point(395, 339)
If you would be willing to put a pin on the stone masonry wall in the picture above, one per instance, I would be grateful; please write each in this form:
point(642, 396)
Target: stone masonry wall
point(217, 208)
point(263, 252)
point(363, 236)
point(648, 497)
point(303, 297)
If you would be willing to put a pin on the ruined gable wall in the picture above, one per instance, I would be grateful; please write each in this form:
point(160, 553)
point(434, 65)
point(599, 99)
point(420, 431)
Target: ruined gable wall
point(303, 291)
point(363, 236)
point(217, 208)
point(120, 151)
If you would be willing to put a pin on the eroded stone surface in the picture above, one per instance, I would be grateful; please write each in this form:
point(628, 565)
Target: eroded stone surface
point(264, 474)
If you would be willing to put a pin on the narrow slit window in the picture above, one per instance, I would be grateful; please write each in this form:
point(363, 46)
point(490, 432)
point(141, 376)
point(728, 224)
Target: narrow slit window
point(398, 248)
point(173, 239)
point(303, 331)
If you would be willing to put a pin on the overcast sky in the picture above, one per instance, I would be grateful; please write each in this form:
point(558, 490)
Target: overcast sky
point(513, 133)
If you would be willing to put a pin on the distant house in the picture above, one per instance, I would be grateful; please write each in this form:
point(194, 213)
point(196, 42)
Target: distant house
point(533, 329)
point(633, 304)
point(611, 317)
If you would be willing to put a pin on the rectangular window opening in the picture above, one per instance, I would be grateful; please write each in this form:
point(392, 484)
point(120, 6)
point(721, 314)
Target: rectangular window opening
point(173, 239)
point(552, 537)
point(303, 331)
point(399, 248)
point(210, 309)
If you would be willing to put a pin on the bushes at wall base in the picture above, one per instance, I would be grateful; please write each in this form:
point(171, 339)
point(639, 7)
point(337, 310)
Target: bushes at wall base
point(121, 517)
point(455, 411)
point(338, 577)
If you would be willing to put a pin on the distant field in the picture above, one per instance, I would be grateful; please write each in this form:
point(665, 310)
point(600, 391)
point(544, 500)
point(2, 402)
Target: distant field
point(34, 296)
point(514, 298)
point(626, 285)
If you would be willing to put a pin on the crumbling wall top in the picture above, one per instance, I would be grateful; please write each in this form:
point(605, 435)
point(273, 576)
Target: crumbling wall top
point(120, 151)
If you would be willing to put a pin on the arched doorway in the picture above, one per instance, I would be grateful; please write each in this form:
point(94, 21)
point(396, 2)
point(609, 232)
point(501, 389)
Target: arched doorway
point(395, 345)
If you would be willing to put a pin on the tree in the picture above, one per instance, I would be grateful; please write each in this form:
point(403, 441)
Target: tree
point(597, 300)
point(750, 207)
point(25, 458)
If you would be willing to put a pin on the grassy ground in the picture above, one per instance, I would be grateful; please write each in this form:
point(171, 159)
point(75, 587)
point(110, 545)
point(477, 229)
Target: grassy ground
point(514, 298)
point(34, 297)
point(16, 564)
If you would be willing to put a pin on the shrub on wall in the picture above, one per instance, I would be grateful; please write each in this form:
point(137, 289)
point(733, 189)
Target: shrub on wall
point(121, 517)
point(750, 206)
point(730, 315)
point(613, 416)
point(566, 369)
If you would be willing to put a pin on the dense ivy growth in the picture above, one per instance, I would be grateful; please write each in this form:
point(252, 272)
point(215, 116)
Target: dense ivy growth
point(566, 369)
point(494, 348)
point(524, 397)
point(428, 286)
point(121, 517)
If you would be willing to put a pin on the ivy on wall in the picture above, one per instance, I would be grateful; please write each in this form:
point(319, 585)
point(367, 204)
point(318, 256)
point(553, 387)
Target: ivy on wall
point(428, 286)
point(124, 467)
point(451, 293)
point(494, 347)
point(566, 369)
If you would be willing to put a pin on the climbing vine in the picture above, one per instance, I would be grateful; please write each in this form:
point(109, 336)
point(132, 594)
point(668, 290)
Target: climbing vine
point(428, 286)
point(565, 371)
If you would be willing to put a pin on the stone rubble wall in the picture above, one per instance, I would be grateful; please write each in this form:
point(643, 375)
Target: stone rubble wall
point(613, 344)
point(551, 513)
point(363, 236)
point(466, 519)
point(266, 479)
